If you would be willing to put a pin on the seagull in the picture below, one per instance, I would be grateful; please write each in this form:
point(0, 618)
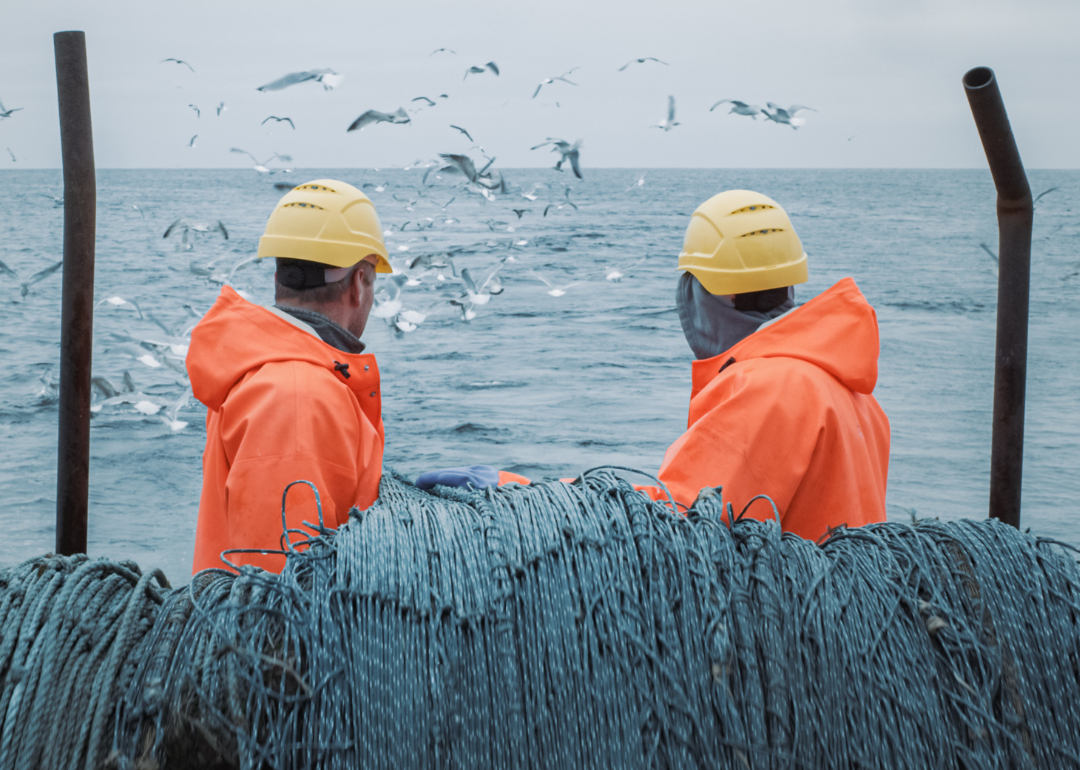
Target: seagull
point(462, 130)
point(183, 227)
point(440, 50)
point(374, 116)
point(566, 191)
point(11, 154)
point(463, 164)
point(430, 102)
point(191, 143)
point(24, 286)
point(641, 61)
point(198, 112)
point(169, 418)
point(221, 108)
point(108, 390)
point(568, 152)
point(120, 302)
point(388, 299)
point(520, 212)
point(479, 293)
point(408, 320)
point(280, 120)
point(474, 70)
point(329, 79)
point(549, 81)
point(615, 275)
point(262, 168)
point(178, 61)
point(553, 290)
point(5, 112)
point(531, 194)
point(639, 182)
point(1037, 197)
point(739, 108)
point(669, 122)
point(781, 115)
point(56, 202)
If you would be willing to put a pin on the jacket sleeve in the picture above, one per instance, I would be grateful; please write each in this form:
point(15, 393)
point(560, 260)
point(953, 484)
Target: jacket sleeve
point(289, 421)
point(757, 438)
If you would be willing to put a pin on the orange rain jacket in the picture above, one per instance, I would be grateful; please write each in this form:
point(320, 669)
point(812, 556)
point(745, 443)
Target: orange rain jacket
point(280, 409)
point(788, 412)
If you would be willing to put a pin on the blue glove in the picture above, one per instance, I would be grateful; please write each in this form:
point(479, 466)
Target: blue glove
point(479, 476)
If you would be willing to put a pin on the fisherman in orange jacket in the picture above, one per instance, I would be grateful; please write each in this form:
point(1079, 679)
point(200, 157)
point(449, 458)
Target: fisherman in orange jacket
point(289, 391)
point(782, 401)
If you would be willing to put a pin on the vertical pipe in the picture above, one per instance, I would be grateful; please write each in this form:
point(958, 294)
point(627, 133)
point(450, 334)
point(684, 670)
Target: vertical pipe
point(77, 314)
point(1015, 213)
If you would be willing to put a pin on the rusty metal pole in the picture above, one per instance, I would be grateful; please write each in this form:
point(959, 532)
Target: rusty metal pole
point(1015, 212)
point(77, 313)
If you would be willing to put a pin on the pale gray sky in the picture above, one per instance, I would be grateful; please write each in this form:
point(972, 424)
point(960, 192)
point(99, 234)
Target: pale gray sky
point(886, 73)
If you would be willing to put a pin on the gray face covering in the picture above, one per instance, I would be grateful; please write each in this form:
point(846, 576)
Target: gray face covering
point(711, 323)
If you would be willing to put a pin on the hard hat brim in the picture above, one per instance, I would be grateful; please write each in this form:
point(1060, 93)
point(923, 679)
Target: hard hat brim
point(723, 282)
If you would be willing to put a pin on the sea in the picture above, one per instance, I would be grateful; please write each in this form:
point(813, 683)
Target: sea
point(570, 367)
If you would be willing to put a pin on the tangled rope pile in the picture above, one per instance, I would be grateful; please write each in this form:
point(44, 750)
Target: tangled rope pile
point(582, 625)
point(71, 633)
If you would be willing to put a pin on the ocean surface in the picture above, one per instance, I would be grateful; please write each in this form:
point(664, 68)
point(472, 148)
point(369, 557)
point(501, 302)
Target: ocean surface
point(539, 384)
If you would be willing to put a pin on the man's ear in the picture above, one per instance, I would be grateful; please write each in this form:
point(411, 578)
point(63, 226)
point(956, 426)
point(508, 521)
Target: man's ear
point(355, 287)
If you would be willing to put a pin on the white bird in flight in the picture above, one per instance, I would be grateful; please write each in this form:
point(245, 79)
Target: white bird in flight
point(388, 299)
point(669, 122)
point(280, 120)
point(641, 61)
point(638, 182)
point(479, 293)
point(221, 108)
point(374, 116)
point(786, 115)
point(566, 192)
point(178, 61)
point(531, 194)
point(568, 152)
point(329, 79)
point(6, 113)
point(739, 108)
point(183, 227)
point(549, 81)
point(191, 142)
point(474, 70)
point(24, 286)
point(198, 112)
point(169, 418)
point(263, 167)
point(553, 290)
point(120, 302)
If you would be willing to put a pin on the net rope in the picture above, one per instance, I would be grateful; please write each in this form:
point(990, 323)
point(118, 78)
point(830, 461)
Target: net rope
point(556, 625)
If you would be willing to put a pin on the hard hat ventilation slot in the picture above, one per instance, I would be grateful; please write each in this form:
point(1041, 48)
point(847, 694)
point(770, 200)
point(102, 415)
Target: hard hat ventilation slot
point(762, 232)
point(303, 206)
point(755, 207)
point(316, 187)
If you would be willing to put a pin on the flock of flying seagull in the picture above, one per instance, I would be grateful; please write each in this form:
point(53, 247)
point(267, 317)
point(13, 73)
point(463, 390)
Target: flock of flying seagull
point(568, 152)
point(465, 289)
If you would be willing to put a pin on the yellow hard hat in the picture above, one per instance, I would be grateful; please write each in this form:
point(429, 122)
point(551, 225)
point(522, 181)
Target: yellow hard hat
point(325, 221)
point(741, 241)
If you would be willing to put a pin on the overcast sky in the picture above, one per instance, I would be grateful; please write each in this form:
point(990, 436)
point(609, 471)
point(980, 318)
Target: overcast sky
point(884, 78)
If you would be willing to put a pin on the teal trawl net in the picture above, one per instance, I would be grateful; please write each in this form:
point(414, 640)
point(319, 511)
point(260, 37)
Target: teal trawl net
point(557, 625)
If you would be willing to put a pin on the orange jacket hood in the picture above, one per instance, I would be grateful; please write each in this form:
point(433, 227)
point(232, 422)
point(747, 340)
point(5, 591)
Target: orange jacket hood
point(223, 351)
point(836, 331)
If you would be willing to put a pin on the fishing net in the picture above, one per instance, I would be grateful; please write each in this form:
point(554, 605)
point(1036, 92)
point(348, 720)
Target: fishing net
point(572, 625)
